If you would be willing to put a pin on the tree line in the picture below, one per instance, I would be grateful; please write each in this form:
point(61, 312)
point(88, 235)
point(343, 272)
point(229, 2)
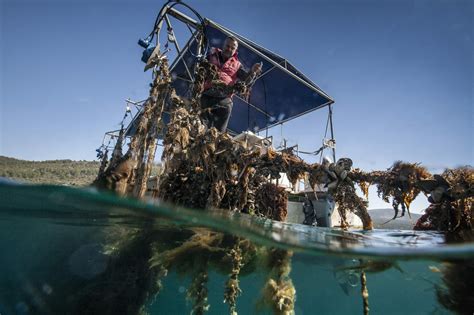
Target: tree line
point(57, 172)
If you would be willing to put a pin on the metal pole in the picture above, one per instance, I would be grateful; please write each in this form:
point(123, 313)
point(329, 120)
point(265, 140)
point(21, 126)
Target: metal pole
point(332, 132)
point(175, 42)
point(137, 103)
point(182, 17)
point(184, 50)
point(176, 45)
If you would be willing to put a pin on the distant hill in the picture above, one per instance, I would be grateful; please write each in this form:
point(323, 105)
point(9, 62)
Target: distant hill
point(57, 172)
point(380, 216)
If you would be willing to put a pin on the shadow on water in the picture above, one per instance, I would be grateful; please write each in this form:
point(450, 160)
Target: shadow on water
point(73, 251)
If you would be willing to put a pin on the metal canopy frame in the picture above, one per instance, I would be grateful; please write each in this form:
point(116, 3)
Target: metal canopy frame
point(196, 27)
point(111, 135)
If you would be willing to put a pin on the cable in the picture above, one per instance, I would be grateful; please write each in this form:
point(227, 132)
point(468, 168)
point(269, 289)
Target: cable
point(160, 16)
point(158, 19)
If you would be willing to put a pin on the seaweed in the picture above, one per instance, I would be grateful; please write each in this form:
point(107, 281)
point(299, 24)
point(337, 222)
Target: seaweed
point(232, 288)
point(455, 293)
point(125, 285)
point(197, 291)
point(279, 292)
point(451, 208)
point(364, 292)
point(128, 174)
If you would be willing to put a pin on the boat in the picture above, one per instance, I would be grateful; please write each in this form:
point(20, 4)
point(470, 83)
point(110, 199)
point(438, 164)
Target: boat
point(280, 93)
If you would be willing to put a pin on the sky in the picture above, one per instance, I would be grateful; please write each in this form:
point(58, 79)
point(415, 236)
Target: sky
point(400, 72)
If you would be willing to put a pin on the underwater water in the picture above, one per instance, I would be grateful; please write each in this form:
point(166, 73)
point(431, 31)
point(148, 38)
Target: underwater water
point(78, 251)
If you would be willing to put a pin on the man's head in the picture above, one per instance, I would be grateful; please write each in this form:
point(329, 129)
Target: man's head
point(230, 47)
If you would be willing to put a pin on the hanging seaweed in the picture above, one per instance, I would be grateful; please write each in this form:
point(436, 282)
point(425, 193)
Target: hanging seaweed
point(455, 291)
point(290, 164)
point(232, 289)
point(451, 198)
point(271, 201)
point(399, 183)
point(115, 178)
point(363, 179)
point(344, 192)
point(197, 291)
point(348, 201)
point(364, 292)
point(128, 174)
point(125, 285)
point(117, 153)
point(158, 95)
point(199, 252)
point(279, 292)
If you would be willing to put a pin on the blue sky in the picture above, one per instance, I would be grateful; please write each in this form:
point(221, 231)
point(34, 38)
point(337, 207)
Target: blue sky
point(401, 73)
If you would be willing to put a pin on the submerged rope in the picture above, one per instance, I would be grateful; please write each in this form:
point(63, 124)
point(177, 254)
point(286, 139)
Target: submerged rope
point(365, 292)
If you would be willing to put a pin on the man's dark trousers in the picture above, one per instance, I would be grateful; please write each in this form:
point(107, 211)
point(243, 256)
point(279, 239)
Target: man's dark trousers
point(216, 111)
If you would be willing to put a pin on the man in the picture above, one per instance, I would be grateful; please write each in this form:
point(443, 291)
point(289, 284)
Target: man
point(217, 107)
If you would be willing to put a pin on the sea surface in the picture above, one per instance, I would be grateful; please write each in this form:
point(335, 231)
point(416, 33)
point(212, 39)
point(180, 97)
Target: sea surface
point(79, 251)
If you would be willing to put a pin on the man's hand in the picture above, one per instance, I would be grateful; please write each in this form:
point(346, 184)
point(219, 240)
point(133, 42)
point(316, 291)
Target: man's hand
point(257, 68)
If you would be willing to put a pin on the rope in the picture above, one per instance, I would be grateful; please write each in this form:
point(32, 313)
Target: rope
point(314, 152)
point(324, 146)
point(364, 292)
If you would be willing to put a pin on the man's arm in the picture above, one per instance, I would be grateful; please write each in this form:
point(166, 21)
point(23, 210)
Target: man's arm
point(243, 73)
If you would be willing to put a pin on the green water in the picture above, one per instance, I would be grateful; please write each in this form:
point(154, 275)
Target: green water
point(78, 251)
